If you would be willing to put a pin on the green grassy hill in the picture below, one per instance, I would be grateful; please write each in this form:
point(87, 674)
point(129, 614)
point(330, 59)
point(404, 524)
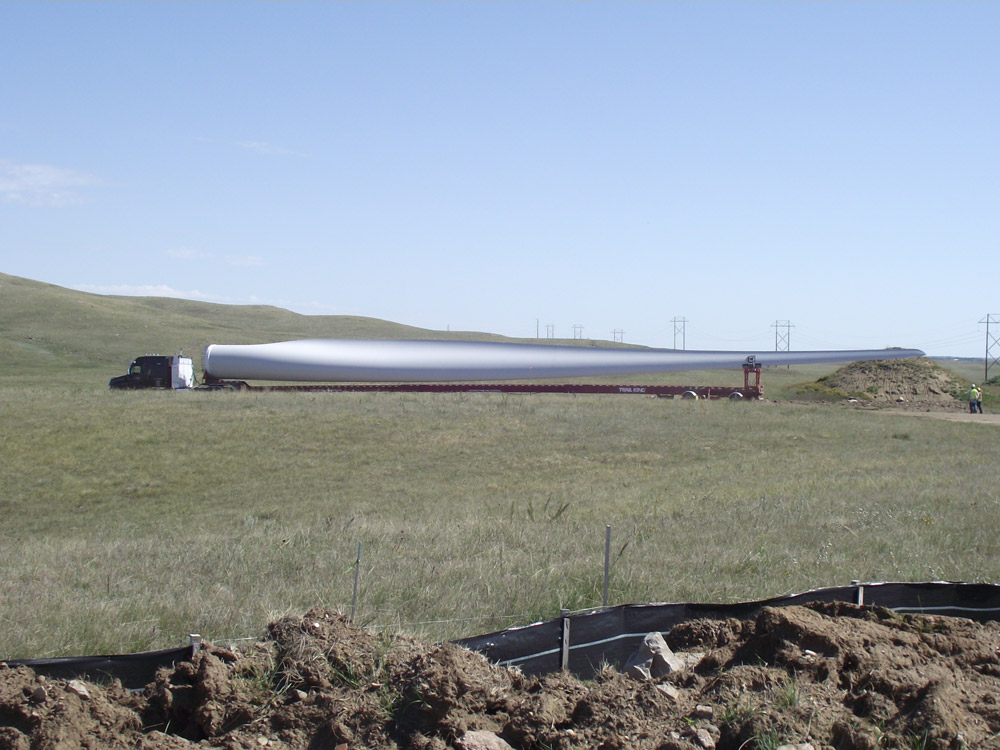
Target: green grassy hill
point(66, 336)
point(50, 329)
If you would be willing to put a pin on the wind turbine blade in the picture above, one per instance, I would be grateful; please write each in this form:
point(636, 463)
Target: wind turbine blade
point(388, 361)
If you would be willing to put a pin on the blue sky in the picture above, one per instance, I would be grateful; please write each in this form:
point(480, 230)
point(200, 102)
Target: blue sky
point(512, 166)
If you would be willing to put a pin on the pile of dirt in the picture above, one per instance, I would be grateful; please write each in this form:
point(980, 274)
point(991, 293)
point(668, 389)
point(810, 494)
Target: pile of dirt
point(904, 382)
point(827, 676)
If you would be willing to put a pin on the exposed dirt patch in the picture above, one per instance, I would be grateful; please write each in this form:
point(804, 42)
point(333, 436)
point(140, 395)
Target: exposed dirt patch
point(833, 675)
point(908, 383)
point(950, 415)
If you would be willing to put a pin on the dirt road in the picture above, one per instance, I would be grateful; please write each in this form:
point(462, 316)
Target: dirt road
point(950, 415)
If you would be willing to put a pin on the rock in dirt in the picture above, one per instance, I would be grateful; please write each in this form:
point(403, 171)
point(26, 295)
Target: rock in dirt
point(78, 688)
point(669, 690)
point(703, 712)
point(653, 659)
point(478, 740)
point(704, 739)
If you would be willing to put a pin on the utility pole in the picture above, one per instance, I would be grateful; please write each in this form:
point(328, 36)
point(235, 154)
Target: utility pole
point(680, 325)
point(992, 341)
point(577, 331)
point(550, 330)
point(782, 340)
point(618, 335)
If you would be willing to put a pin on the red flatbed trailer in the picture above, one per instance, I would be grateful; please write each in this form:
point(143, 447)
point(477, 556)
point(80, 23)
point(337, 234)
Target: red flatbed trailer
point(735, 393)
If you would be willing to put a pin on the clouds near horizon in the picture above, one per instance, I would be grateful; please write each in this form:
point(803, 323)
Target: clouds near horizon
point(44, 184)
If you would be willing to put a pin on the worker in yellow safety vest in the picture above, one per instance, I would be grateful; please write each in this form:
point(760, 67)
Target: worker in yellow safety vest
point(975, 400)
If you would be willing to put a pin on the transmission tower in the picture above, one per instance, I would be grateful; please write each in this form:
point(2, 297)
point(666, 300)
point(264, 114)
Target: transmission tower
point(992, 342)
point(577, 331)
point(618, 335)
point(680, 326)
point(550, 330)
point(782, 340)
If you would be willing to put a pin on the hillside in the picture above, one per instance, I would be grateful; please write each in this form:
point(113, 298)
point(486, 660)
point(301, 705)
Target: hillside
point(43, 326)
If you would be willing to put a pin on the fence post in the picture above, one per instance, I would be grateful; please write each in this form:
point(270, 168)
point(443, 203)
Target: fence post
point(564, 655)
point(607, 561)
point(194, 639)
point(357, 571)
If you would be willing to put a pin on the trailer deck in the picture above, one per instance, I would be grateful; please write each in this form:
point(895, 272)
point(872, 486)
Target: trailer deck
point(734, 393)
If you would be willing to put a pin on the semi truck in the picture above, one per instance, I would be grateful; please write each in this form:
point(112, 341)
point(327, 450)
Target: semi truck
point(454, 366)
point(156, 371)
point(176, 372)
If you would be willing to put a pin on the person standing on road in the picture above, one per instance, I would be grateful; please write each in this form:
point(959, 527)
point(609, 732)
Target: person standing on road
point(975, 400)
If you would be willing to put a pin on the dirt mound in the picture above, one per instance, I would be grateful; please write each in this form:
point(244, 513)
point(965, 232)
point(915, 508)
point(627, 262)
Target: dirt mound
point(832, 675)
point(906, 382)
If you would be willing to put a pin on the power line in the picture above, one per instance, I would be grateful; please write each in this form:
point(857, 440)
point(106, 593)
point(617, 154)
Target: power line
point(992, 342)
point(782, 340)
point(680, 326)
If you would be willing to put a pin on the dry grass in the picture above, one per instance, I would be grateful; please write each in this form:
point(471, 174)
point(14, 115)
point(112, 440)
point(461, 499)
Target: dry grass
point(134, 519)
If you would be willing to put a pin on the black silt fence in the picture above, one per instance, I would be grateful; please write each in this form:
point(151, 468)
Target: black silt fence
point(582, 642)
point(134, 670)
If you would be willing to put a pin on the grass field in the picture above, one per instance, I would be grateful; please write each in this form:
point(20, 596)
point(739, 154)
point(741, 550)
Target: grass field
point(133, 519)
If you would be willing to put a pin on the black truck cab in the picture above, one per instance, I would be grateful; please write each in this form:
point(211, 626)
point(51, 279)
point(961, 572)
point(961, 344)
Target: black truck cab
point(155, 371)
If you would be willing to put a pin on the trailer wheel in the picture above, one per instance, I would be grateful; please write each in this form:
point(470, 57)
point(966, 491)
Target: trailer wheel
point(689, 396)
point(735, 396)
